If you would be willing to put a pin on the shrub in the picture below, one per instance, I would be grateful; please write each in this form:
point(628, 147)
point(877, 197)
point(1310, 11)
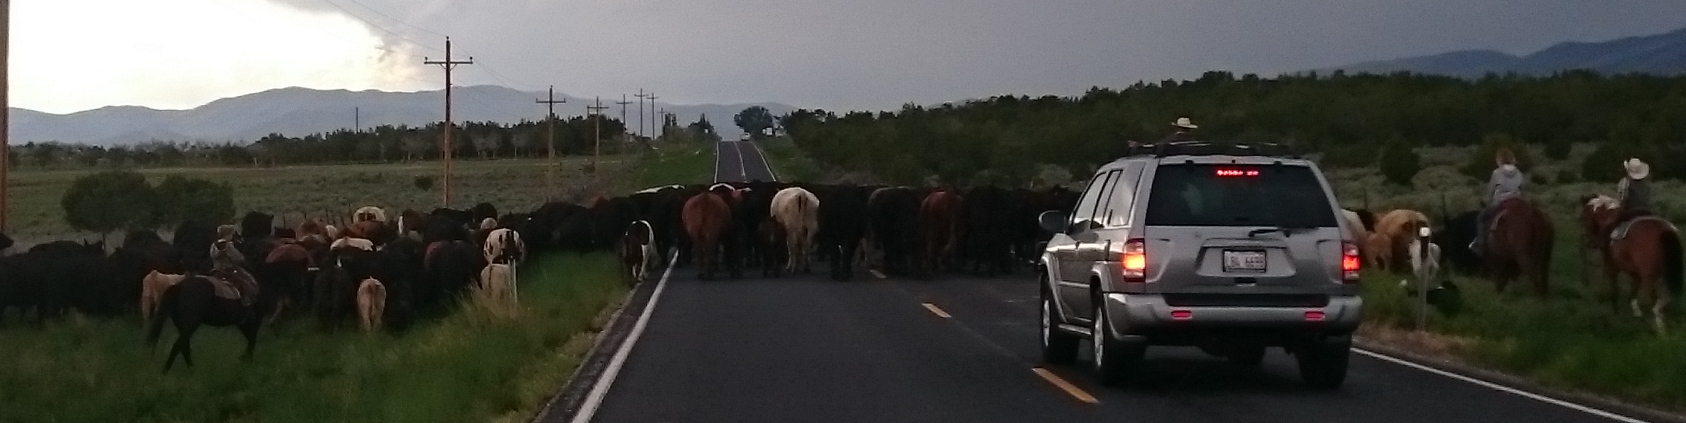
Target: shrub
point(1567, 176)
point(1399, 163)
point(1480, 164)
point(423, 182)
point(181, 199)
point(108, 201)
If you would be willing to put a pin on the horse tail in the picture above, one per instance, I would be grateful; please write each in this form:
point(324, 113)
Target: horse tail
point(166, 309)
point(1673, 273)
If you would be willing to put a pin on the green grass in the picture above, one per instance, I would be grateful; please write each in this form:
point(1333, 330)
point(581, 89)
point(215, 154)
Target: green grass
point(1573, 340)
point(335, 190)
point(674, 163)
point(790, 163)
point(473, 365)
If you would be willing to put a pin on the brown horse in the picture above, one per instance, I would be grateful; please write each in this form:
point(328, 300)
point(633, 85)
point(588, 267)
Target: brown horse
point(1519, 242)
point(1648, 252)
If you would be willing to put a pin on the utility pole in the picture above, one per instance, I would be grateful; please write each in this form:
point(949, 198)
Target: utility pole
point(357, 118)
point(641, 97)
point(596, 127)
point(5, 106)
point(623, 104)
point(449, 65)
point(550, 143)
point(655, 128)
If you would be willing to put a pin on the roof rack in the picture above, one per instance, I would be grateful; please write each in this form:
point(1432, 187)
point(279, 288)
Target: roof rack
point(1214, 148)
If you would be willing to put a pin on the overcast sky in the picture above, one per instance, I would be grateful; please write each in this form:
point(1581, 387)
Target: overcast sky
point(70, 55)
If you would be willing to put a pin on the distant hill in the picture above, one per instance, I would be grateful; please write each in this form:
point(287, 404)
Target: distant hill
point(1661, 54)
point(300, 111)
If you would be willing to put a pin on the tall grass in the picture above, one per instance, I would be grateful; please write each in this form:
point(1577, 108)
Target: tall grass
point(474, 365)
point(1572, 340)
point(789, 162)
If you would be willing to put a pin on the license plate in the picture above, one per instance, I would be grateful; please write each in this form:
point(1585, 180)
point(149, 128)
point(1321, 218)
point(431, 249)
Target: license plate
point(1247, 261)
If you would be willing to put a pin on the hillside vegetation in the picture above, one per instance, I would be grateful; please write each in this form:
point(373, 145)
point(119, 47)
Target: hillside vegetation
point(1347, 118)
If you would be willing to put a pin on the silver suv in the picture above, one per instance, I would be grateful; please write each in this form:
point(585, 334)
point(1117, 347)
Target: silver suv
point(1229, 247)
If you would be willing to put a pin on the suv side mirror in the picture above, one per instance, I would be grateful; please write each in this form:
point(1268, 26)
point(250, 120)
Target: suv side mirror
point(1053, 221)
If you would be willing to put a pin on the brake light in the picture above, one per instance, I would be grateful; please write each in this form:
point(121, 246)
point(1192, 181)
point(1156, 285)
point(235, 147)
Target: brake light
point(1238, 172)
point(1135, 261)
point(1350, 265)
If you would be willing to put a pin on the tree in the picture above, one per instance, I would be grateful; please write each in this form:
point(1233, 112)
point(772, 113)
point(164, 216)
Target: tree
point(108, 201)
point(182, 199)
point(486, 144)
point(521, 141)
point(416, 147)
point(754, 120)
point(1481, 164)
point(1399, 163)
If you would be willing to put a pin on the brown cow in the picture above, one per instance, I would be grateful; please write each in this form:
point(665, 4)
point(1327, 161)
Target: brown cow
point(939, 222)
point(706, 217)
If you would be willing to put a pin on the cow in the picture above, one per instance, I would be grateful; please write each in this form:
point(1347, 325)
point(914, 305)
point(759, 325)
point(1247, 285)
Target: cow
point(707, 217)
point(892, 212)
point(843, 226)
point(986, 241)
point(939, 225)
point(637, 251)
point(797, 212)
point(371, 303)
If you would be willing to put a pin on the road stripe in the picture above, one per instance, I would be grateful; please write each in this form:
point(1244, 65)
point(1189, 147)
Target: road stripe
point(937, 311)
point(601, 388)
point(763, 156)
point(877, 273)
point(743, 168)
point(1069, 388)
point(1501, 388)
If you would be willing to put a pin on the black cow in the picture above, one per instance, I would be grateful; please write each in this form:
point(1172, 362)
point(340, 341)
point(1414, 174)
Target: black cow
point(193, 241)
point(842, 226)
point(893, 214)
point(1454, 238)
point(481, 212)
point(987, 231)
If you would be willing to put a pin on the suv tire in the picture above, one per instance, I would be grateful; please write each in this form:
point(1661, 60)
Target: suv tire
point(1113, 358)
point(1058, 347)
point(1323, 363)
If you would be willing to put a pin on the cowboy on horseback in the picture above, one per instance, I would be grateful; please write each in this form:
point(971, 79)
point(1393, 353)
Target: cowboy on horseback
point(1505, 183)
point(1634, 191)
point(227, 264)
point(1184, 131)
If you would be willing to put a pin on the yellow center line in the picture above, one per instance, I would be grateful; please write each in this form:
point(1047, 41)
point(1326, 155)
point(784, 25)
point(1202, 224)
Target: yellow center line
point(875, 272)
point(1069, 389)
point(937, 311)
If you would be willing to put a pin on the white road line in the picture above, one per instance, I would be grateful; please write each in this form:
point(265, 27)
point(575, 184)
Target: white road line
point(1502, 388)
point(716, 162)
point(763, 156)
point(743, 169)
point(601, 388)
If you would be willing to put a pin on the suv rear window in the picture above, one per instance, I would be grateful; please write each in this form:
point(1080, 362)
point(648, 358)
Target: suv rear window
point(1238, 195)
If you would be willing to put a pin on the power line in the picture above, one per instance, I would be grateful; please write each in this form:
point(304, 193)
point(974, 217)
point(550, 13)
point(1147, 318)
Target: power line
point(382, 28)
point(378, 12)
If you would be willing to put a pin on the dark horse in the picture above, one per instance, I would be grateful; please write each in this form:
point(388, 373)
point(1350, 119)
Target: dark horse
point(194, 302)
point(1519, 245)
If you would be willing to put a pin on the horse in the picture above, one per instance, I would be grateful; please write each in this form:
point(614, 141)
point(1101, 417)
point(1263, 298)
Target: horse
point(1645, 248)
point(203, 300)
point(1357, 228)
point(1519, 242)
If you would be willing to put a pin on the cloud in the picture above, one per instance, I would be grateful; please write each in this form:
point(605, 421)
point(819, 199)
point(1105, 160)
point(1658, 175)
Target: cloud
point(878, 54)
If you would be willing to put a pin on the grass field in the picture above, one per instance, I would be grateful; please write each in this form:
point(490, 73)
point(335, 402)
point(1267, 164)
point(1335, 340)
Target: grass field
point(336, 190)
point(471, 366)
point(1573, 340)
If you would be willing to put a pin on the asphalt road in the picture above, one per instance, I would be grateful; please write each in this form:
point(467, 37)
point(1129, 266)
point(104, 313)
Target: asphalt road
point(807, 349)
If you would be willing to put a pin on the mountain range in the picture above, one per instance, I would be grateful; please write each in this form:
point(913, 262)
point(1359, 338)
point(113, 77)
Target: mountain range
point(296, 111)
point(1659, 54)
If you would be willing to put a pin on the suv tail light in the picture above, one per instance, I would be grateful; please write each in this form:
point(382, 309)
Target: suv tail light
point(1350, 265)
point(1135, 261)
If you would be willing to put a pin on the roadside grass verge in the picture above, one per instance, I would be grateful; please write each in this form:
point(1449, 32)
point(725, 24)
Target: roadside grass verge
point(1574, 340)
point(789, 162)
point(474, 365)
point(674, 162)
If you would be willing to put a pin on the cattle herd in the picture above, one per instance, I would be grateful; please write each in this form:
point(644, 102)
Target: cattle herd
point(415, 265)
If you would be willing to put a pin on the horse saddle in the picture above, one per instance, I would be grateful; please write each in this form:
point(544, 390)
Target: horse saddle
point(234, 285)
point(1622, 227)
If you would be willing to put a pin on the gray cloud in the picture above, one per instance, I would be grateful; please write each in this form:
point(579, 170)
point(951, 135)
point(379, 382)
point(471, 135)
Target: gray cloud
point(878, 54)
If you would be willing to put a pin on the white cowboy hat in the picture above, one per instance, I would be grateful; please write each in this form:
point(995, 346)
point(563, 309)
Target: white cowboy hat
point(1636, 169)
point(1183, 122)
